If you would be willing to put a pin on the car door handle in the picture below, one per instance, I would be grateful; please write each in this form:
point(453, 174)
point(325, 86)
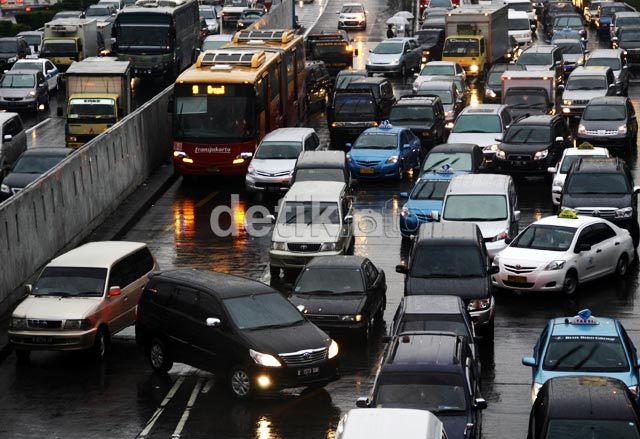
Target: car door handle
point(599, 250)
point(617, 243)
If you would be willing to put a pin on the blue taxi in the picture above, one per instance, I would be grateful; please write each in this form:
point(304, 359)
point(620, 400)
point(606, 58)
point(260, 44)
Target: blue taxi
point(382, 152)
point(583, 345)
point(426, 196)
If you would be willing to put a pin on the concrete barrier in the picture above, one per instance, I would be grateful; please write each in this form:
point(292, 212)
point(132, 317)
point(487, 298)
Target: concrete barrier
point(61, 209)
point(280, 16)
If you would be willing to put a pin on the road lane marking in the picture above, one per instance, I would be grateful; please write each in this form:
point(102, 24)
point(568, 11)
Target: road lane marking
point(206, 199)
point(187, 411)
point(152, 422)
point(38, 125)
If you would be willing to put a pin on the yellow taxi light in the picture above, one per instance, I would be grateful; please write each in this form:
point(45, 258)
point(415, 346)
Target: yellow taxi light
point(568, 214)
point(585, 145)
point(195, 89)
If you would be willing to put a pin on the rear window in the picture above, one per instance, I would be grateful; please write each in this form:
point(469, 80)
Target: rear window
point(320, 174)
point(354, 105)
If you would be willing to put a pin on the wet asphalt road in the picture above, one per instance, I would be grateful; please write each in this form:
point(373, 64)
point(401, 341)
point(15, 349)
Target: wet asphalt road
point(67, 396)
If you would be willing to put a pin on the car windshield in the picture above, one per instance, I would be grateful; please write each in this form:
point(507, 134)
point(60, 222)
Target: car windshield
point(627, 21)
point(527, 134)
point(251, 15)
point(605, 112)
point(207, 14)
point(530, 58)
point(26, 65)
point(567, 22)
point(495, 78)
point(308, 212)
point(429, 36)
point(320, 174)
point(343, 81)
point(474, 208)
point(406, 113)
point(445, 95)
point(459, 161)
point(32, 40)
point(461, 47)
point(543, 237)
point(260, 311)
point(71, 282)
point(592, 429)
point(429, 190)
point(352, 9)
point(614, 63)
point(453, 261)
point(432, 70)
point(440, 4)
point(476, 123)
point(525, 99)
point(585, 353)
point(436, 392)
point(630, 35)
point(17, 81)
point(8, 46)
point(570, 48)
point(376, 141)
point(35, 164)
point(388, 48)
point(586, 83)
point(330, 281)
point(597, 183)
point(435, 323)
point(98, 12)
point(279, 150)
point(519, 24)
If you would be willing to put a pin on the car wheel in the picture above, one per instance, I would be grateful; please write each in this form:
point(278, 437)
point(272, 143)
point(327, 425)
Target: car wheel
point(570, 284)
point(100, 348)
point(623, 265)
point(240, 383)
point(159, 356)
point(23, 355)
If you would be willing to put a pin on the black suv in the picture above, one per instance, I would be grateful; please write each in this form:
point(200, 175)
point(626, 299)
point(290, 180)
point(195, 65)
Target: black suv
point(432, 371)
point(245, 332)
point(352, 112)
point(341, 293)
point(382, 92)
point(532, 145)
point(603, 187)
point(451, 258)
point(586, 406)
point(424, 116)
point(527, 101)
point(319, 85)
point(334, 48)
point(609, 122)
point(11, 50)
point(431, 41)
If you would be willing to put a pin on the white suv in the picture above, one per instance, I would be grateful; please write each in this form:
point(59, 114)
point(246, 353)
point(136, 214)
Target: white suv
point(352, 16)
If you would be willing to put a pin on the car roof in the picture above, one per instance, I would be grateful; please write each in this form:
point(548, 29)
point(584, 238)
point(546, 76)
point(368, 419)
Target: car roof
point(545, 119)
point(417, 100)
point(627, 14)
point(219, 37)
point(589, 71)
point(288, 134)
point(399, 39)
point(479, 184)
point(97, 254)
point(580, 397)
point(391, 422)
point(321, 159)
point(435, 85)
point(441, 63)
point(435, 351)
point(517, 14)
point(31, 60)
point(605, 327)
point(9, 38)
point(6, 115)
point(30, 32)
point(567, 40)
point(454, 147)
point(339, 261)
point(577, 222)
point(483, 109)
point(542, 48)
point(369, 80)
point(605, 53)
point(419, 304)
point(388, 129)
point(355, 72)
point(327, 191)
point(613, 4)
point(452, 232)
point(608, 100)
point(597, 164)
point(223, 285)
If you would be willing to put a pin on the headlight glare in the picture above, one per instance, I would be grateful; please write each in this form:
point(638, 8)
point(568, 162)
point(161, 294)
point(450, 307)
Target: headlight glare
point(264, 359)
point(333, 349)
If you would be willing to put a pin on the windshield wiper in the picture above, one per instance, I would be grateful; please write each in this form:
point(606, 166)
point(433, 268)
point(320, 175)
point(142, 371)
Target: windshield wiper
point(565, 356)
point(319, 292)
point(278, 325)
point(55, 293)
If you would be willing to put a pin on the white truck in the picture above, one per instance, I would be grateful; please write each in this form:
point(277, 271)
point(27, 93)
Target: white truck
point(476, 36)
point(528, 92)
point(71, 39)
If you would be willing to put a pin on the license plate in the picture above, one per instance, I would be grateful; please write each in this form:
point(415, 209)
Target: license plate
point(308, 371)
point(42, 340)
point(213, 170)
point(517, 279)
point(367, 171)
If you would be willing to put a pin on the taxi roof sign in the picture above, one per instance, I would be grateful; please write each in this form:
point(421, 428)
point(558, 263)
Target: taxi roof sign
point(584, 317)
point(568, 214)
point(444, 169)
point(585, 145)
point(386, 125)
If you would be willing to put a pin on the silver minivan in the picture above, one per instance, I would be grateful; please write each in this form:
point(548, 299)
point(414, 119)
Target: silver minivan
point(488, 200)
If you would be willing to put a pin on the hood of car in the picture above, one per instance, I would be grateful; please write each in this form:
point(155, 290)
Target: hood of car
point(372, 154)
point(377, 58)
point(626, 377)
point(357, 16)
point(583, 94)
point(489, 229)
point(423, 206)
point(285, 340)
point(454, 425)
point(596, 200)
point(523, 148)
point(302, 233)
point(56, 308)
point(465, 287)
point(607, 125)
point(527, 257)
point(571, 58)
point(340, 304)
point(15, 92)
point(537, 68)
point(480, 139)
point(17, 180)
point(273, 166)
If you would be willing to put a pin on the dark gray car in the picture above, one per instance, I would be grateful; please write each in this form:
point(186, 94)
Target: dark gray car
point(609, 122)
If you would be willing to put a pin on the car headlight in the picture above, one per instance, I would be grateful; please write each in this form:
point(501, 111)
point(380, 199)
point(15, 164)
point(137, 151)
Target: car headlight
point(395, 62)
point(352, 318)
point(405, 212)
point(534, 390)
point(582, 129)
point(625, 212)
point(77, 324)
point(501, 154)
point(541, 154)
point(393, 159)
point(341, 17)
point(349, 157)
point(490, 93)
point(479, 304)
point(329, 247)
point(567, 102)
point(32, 93)
point(5, 189)
point(333, 349)
point(474, 67)
point(275, 245)
point(251, 170)
point(555, 265)
point(264, 359)
point(18, 323)
point(495, 147)
point(622, 129)
point(448, 114)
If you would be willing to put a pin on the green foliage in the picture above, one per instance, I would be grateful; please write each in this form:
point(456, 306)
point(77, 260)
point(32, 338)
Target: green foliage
point(8, 29)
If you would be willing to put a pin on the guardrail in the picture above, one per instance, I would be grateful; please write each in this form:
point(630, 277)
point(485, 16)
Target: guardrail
point(60, 209)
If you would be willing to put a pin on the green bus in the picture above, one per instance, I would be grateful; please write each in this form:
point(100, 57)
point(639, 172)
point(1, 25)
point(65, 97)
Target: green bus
point(158, 37)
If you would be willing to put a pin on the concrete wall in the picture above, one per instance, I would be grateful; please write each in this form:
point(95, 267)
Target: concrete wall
point(280, 16)
point(59, 210)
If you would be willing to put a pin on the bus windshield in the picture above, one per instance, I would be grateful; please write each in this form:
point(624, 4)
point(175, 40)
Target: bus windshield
point(144, 32)
point(214, 117)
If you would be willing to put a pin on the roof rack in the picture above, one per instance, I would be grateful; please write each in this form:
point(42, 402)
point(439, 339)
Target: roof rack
point(225, 59)
point(280, 35)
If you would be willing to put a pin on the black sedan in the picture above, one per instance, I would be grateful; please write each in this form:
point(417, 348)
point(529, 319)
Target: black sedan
point(29, 167)
point(532, 145)
point(319, 85)
point(609, 122)
point(341, 293)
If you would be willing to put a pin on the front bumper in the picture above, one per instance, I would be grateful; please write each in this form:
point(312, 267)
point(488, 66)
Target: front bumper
point(385, 170)
point(538, 280)
point(259, 183)
point(287, 377)
point(287, 259)
point(521, 167)
point(352, 24)
point(383, 68)
point(483, 317)
point(52, 340)
point(332, 324)
point(616, 141)
point(23, 104)
point(183, 168)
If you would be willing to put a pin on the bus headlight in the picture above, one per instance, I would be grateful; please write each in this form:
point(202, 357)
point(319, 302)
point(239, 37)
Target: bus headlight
point(474, 68)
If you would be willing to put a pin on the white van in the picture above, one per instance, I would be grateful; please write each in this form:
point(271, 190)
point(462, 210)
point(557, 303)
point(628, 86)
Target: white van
point(382, 423)
point(520, 27)
point(82, 298)
point(488, 200)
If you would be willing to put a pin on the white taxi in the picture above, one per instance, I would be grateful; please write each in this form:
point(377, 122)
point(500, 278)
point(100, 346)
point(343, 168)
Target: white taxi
point(48, 69)
point(559, 252)
point(569, 156)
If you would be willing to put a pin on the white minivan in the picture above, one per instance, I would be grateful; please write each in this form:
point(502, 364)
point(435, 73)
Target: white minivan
point(488, 200)
point(391, 423)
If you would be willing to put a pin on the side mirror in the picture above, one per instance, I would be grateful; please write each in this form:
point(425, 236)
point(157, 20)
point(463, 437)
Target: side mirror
point(402, 269)
point(508, 240)
point(29, 288)
point(551, 170)
point(561, 88)
point(272, 218)
point(516, 215)
point(404, 194)
point(529, 361)
point(435, 215)
point(636, 189)
point(7, 138)
point(213, 322)
point(362, 402)
point(348, 219)
point(584, 248)
point(480, 403)
point(493, 269)
point(559, 139)
point(301, 308)
point(348, 146)
point(114, 291)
